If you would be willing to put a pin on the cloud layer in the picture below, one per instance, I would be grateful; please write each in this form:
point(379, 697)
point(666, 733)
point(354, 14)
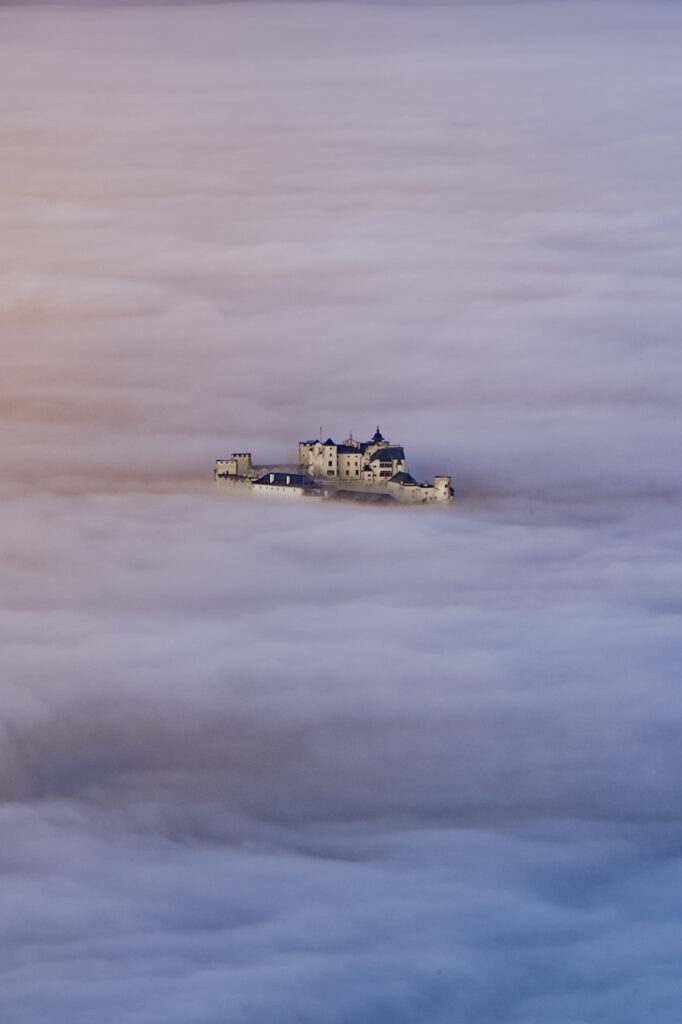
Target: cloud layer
point(320, 764)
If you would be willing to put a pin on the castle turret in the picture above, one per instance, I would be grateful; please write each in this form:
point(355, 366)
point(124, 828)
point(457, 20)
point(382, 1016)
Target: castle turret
point(243, 463)
point(442, 488)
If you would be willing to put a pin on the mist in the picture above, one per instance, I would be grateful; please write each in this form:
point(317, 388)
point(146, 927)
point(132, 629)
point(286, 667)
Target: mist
point(326, 763)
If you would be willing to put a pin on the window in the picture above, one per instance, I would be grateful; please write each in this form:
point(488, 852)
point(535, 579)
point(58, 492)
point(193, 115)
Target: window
point(330, 472)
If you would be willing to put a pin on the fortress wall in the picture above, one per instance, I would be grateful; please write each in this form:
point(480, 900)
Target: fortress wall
point(275, 491)
point(234, 483)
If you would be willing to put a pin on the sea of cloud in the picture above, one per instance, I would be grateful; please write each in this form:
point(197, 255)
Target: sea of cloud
point(263, 763)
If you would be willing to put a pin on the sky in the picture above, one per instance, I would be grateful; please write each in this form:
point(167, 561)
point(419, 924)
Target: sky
point(321, 764)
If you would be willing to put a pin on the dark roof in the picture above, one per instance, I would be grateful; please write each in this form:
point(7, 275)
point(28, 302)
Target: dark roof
point(403, 478)
point(378, 436)
point(329, 441)
point(346, 448)
point(280, 480)
point(388, 454)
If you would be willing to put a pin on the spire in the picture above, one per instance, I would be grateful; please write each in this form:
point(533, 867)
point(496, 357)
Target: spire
point(378, 438)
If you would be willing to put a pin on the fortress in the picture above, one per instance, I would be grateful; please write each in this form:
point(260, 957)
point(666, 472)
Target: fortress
point(360, 470)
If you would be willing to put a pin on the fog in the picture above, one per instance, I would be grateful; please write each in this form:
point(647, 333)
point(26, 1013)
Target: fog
point(263, 762)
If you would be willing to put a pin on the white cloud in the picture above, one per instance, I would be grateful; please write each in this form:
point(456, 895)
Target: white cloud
point(322, 764)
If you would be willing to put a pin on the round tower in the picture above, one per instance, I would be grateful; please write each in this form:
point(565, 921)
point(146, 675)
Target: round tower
point(442, 488)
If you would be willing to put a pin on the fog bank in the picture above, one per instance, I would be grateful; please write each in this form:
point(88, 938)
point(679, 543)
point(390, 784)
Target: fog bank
point(316, 763)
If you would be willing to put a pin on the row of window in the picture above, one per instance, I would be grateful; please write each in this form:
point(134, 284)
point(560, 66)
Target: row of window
point(386, 469)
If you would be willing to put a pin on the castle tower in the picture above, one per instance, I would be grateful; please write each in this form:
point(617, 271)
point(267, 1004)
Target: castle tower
point(442, 488)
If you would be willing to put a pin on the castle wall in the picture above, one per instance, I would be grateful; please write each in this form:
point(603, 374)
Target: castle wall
point(351, 469)
point(277, 491)
point(244, 485)
point(413, 495)
point(234, 483)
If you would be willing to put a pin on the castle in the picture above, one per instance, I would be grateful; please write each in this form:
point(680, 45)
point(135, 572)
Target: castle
point(353, 469)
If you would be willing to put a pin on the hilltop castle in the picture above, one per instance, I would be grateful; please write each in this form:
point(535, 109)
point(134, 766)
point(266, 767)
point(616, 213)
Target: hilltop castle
point(352, 469)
